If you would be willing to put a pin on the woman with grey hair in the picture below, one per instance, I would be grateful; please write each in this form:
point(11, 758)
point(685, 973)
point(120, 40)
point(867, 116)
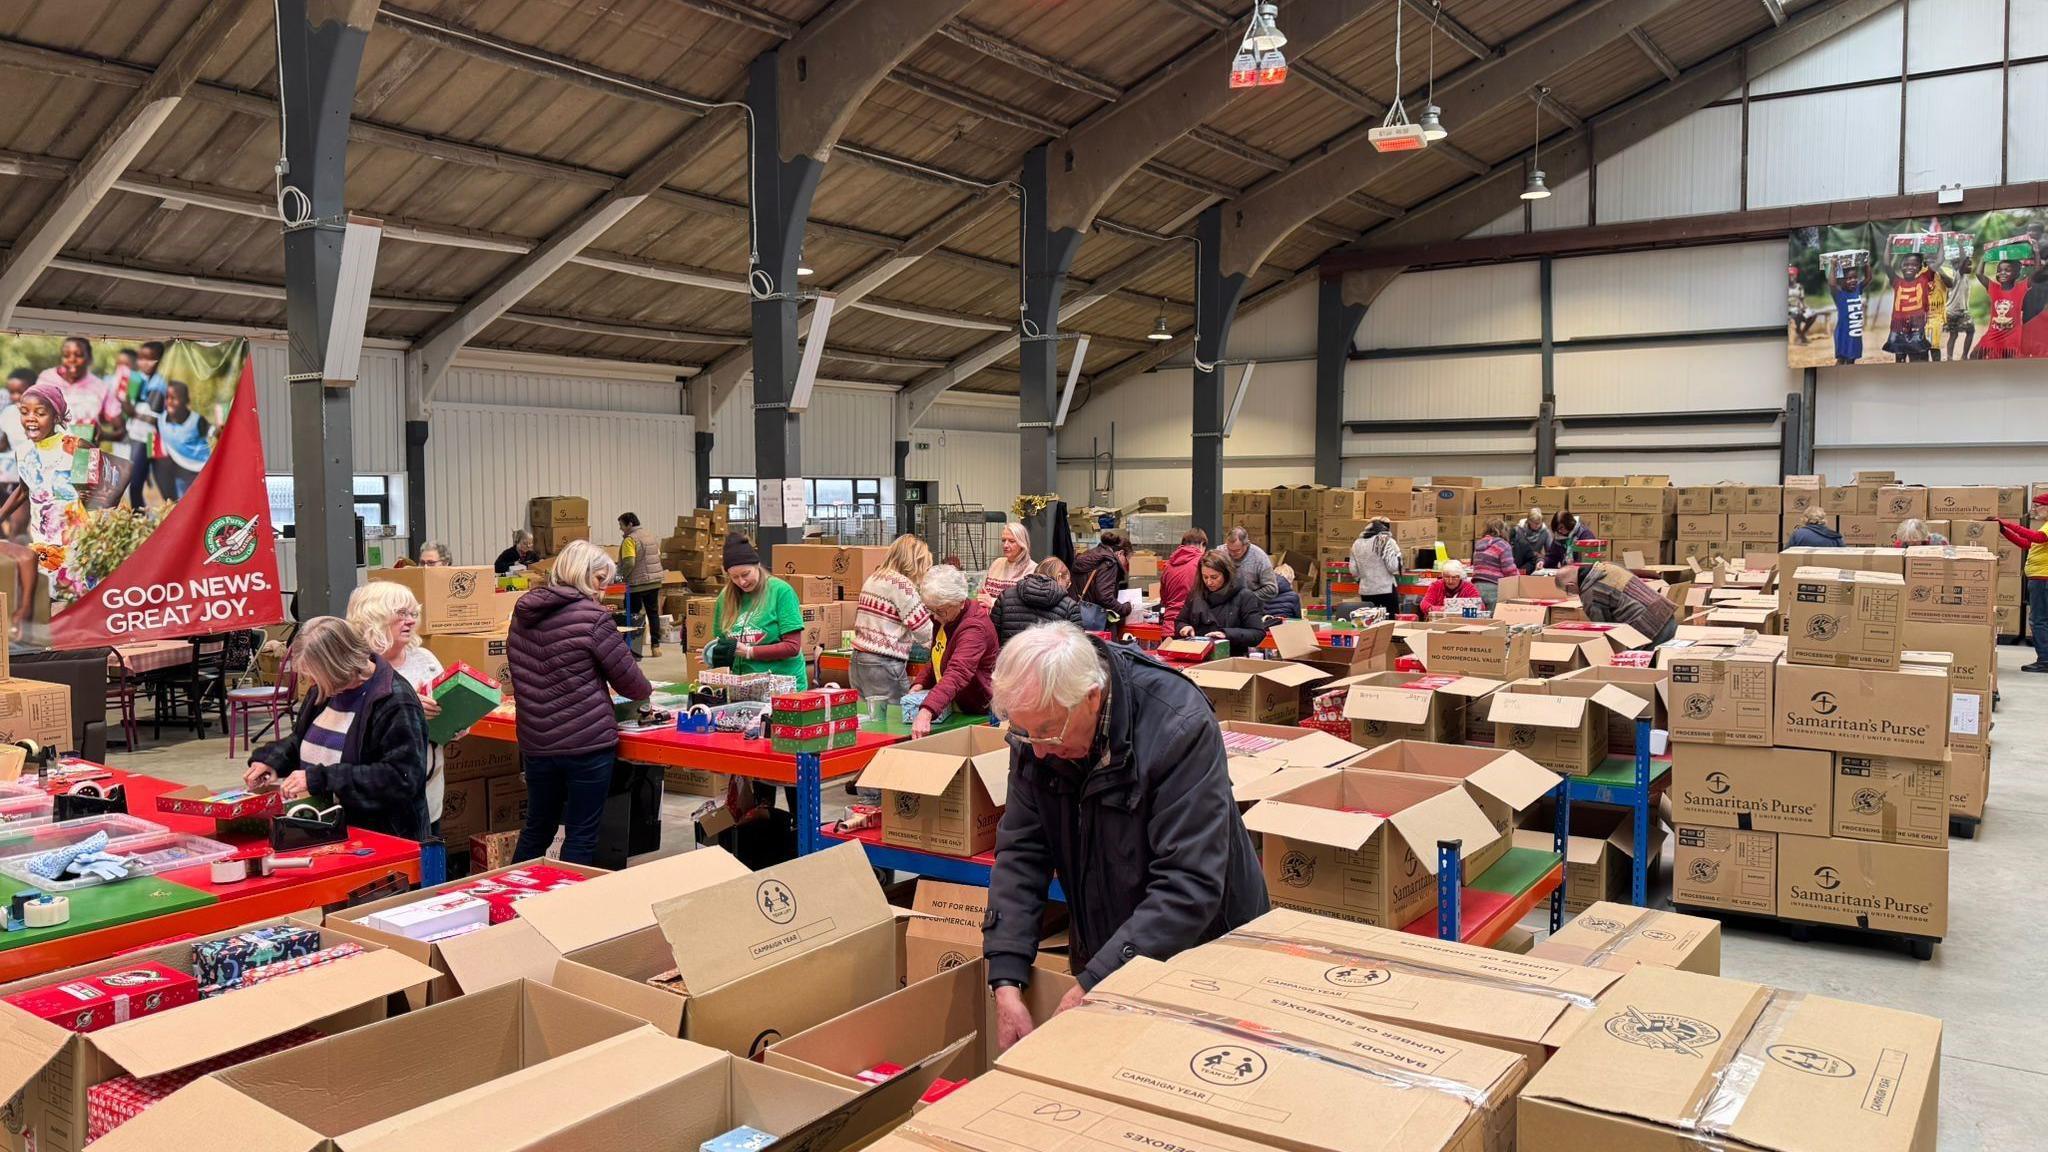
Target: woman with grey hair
point(360, 737)
point(436, 555)
point(1912, 533)
point(964, 648)
point(520, 555)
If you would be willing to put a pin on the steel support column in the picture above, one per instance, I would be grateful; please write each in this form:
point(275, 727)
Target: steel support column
point(1047, 255)
point(415, 486)
point(781, 206)
point(1216, 297)
point(1546, 415)
point(1809, 394)
point(1336, 323)
point(701, 466)
point(320, 49)
point(1790, 435)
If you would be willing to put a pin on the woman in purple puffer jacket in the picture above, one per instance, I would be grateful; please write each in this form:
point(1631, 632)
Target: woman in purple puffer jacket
point(568, 658)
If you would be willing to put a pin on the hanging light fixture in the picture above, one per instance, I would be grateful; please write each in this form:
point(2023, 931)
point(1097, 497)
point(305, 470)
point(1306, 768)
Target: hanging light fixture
point(1160, 331)
point(1265, 34)
point(1259, 62)
point(1432, 122)
point(1537, 189)
point(1395, 133)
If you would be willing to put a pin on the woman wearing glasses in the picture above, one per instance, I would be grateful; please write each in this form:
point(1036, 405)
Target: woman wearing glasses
point(1118, 788)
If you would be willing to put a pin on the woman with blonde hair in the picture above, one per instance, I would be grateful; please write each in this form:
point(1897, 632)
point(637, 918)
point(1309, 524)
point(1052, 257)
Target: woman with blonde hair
point(387, 616)
point(1013, 565)
point(360, 737)
point(891, 620)
point(566, 653)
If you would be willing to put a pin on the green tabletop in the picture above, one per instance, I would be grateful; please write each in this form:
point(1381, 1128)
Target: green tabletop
point(892, 723)
point(1516, 873)
point(1620, 772)
point(106, 905)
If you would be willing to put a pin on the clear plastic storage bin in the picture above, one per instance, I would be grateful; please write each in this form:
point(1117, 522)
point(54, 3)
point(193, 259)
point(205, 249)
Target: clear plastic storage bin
point(146, 856)
point(23, 811)
point(121, 830)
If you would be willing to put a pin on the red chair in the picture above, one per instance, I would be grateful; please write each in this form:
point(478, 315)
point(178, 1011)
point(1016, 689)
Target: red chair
point(273, 699)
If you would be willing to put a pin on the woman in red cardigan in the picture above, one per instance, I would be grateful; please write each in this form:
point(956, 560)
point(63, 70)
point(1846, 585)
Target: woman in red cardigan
point(1450, 583)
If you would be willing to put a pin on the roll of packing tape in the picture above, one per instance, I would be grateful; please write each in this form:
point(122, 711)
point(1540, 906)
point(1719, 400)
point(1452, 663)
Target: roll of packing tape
point(230, 871)
point(313, 812)
point(46, 912)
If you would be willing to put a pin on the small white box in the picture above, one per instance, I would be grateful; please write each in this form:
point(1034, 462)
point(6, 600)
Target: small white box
point(428, 919)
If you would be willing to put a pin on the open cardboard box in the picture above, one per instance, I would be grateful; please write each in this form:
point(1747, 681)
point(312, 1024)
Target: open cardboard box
point(1352, 651)
point(604, 905)
point(1521, 1004)
point(1503, 783)
point(1488, 648)
point(1599, 851)
point(1387, 706)
point(945, 792)
point(1000, 1112)
point(1266, 691)
point(1650, 685)
point(523, 1066)
point(52, 1068)
point(1363, 846)
point(1619, 937)
point(1307, 754)
point(1560, 724)
point(759, 957)
point(940, 1025)
point(1839, 1075)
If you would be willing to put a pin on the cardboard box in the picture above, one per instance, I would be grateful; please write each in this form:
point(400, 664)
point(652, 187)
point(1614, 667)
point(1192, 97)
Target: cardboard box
point(38, 711)
point(1500, 502)
point(1760, 789)
point(1862, 529)
point(1765, 499)
point(933, 1025)
point(1703, 526)
point(1453, 497)
point(1890, 799)
point(1949, 585)
point(1753, 525)
point(1362, 846)
point(1618, 937)
point(505, 803)
point(1489, 650)
point(804, 559)
point(1503, 784)
point(1725, 868)
point(999, 1112)
point(551, 541)
point(1650, 685)
point(812, 589)
point(1721, 695)
point(944, 793)
point(1521, 1004)
point(1272, 1091)
point(451, 599)
point(1899, 503)
point(758, 957)
point(1798, 500)
point(944, 931)
point(1388, 706)
point(1694, 499)
point(1599, 855)
point(1590, 498)
point(1902, 713)
point(1969, 781)
point(826, 625)
point(1642, 499)
point(1843, 618)
point(1886, 887)
point(1265, 691)
point(1839, 1075)
point(852, 567)
point(1969, 502)
point(556, 511)
point(487, 652)
point(1558, 727)
point(476, 758)
point(49, 1069)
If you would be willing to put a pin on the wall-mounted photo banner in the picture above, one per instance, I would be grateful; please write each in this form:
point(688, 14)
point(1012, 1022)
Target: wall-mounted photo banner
point(132, 502)
point(1929, 290)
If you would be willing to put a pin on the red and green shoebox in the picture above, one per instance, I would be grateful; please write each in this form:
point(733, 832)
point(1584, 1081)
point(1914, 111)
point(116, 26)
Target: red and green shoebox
point(465, 696)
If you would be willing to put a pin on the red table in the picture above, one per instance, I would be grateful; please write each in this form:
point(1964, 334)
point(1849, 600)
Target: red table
point(724, 752)
point(328, 881)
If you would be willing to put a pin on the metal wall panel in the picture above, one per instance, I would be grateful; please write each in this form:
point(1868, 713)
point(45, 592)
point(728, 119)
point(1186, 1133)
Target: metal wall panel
point(847, 432)
point(2027, 148)
point(376, 409)
point(1508, 465)
point(1984, 402)
point(513, 389)
point(1867, 51)
point(1286, 327)
point(1758, 467)
point(1826, 146)
point(973, 416)
point(1697, 289)
point(1455, 306)
point(1692, 168)
point(977, 468)
point(1977, 464)
point(1567, 205)
point(1509, 223)
point(489, 460)
point(1688, 378)
point(1508, 384)
point(1947, 140)
point(1957, 34)
point(1154, 418)
point(2029, 29)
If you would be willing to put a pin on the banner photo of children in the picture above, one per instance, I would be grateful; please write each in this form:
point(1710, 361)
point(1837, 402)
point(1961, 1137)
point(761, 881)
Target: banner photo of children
point(132, 502)
point(1933, 289)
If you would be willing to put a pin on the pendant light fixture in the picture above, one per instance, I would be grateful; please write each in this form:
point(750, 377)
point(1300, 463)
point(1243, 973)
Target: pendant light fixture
point(1160, 330)
point(1432, 122)
point(1395, 133)
point(1537, 189)
point(1259, 62)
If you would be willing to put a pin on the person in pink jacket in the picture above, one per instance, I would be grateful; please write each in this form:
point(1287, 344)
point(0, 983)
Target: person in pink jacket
point(1177, 575)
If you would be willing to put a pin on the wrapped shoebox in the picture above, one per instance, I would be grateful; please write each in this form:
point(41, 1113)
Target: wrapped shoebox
point(222, 962)
point(90, 1003)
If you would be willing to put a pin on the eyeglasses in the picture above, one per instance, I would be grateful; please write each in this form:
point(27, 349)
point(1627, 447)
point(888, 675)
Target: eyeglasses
point(1026, 740)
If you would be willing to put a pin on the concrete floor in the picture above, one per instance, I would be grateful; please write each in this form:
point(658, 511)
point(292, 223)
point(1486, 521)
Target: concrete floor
point(1984, 981)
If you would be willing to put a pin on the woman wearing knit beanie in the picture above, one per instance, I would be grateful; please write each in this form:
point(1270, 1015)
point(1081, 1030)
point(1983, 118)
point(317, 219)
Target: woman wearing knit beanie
point(757, 621)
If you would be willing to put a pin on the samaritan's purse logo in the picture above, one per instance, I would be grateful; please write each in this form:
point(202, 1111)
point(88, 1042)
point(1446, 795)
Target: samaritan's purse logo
point(230, 540)
point(1663, 1031)
point(1297, 869)
point(1824, 703)
point(1827, 877)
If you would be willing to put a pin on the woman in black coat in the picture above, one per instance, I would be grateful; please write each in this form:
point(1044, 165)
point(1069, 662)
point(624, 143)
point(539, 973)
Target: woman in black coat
point(1222, 609)
point(1039, 598)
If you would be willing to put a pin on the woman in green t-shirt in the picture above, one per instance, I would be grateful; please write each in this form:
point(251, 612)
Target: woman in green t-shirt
point(757, 616)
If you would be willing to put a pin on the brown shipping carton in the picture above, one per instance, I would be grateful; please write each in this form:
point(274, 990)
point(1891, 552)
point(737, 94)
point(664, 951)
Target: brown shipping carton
point(804, 559)
point(1504, 784)
point(1362, 846)
point(852, 567)
point(1760, 789)
point(38, 711)
point(933, 1025)
point(1004, 1113)
point(1721, 695)
point(1949, 585)
point(1843, 618)
point(1820, 1075)
point(476, 758)
point(1553, 724)
point(1725, 868)
point(1454, 649)
point(943, 793)
point(1969, 781)
point(1900, 503)
point(1265, 691)
point(1388, 706)
point(1650, 685)
point(1902, 713)
point(1207, 987)
point(1891, 799)
point(1271, 1092)
point(756, 958)
point(1886, 887)
point(451, 599)
point(1973, 647)
point(557, 511)
point(944, 931)
point(487, 652)
point(1599, 853)
point(1970, 502)
point(1523, 1005)
point(1619, 937)
point(56, 1067)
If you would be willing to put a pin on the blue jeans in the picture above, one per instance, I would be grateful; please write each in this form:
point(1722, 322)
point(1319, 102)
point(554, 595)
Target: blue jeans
point(2037, 612)
point(565, 790)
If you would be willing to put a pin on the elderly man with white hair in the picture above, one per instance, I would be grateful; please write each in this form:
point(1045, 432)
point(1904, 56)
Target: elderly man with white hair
point(1118, 788)
point(963, 648)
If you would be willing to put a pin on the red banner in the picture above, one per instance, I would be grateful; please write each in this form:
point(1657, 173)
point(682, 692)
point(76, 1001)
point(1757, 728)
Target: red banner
point(209, 567)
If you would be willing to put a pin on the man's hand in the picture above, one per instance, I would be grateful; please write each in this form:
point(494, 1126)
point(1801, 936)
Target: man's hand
point(1072, 999)
point(1013, 1019)
point(293, 787)
point(258, 775)
point(921, 724)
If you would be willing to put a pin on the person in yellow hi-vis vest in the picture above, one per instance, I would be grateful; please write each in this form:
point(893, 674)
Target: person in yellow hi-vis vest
point(2035, 542)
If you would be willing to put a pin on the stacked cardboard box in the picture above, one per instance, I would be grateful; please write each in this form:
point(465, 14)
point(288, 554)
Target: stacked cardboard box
point(1249, 508)
point(1637, 515)
point(1294, 520)
point(696, 550)
point(556, 520)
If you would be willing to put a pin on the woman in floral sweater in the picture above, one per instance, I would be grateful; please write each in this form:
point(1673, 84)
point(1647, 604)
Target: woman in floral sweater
point(890, 621)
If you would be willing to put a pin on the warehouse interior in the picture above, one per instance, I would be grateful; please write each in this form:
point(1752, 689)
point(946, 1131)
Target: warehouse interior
point(849, 269)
